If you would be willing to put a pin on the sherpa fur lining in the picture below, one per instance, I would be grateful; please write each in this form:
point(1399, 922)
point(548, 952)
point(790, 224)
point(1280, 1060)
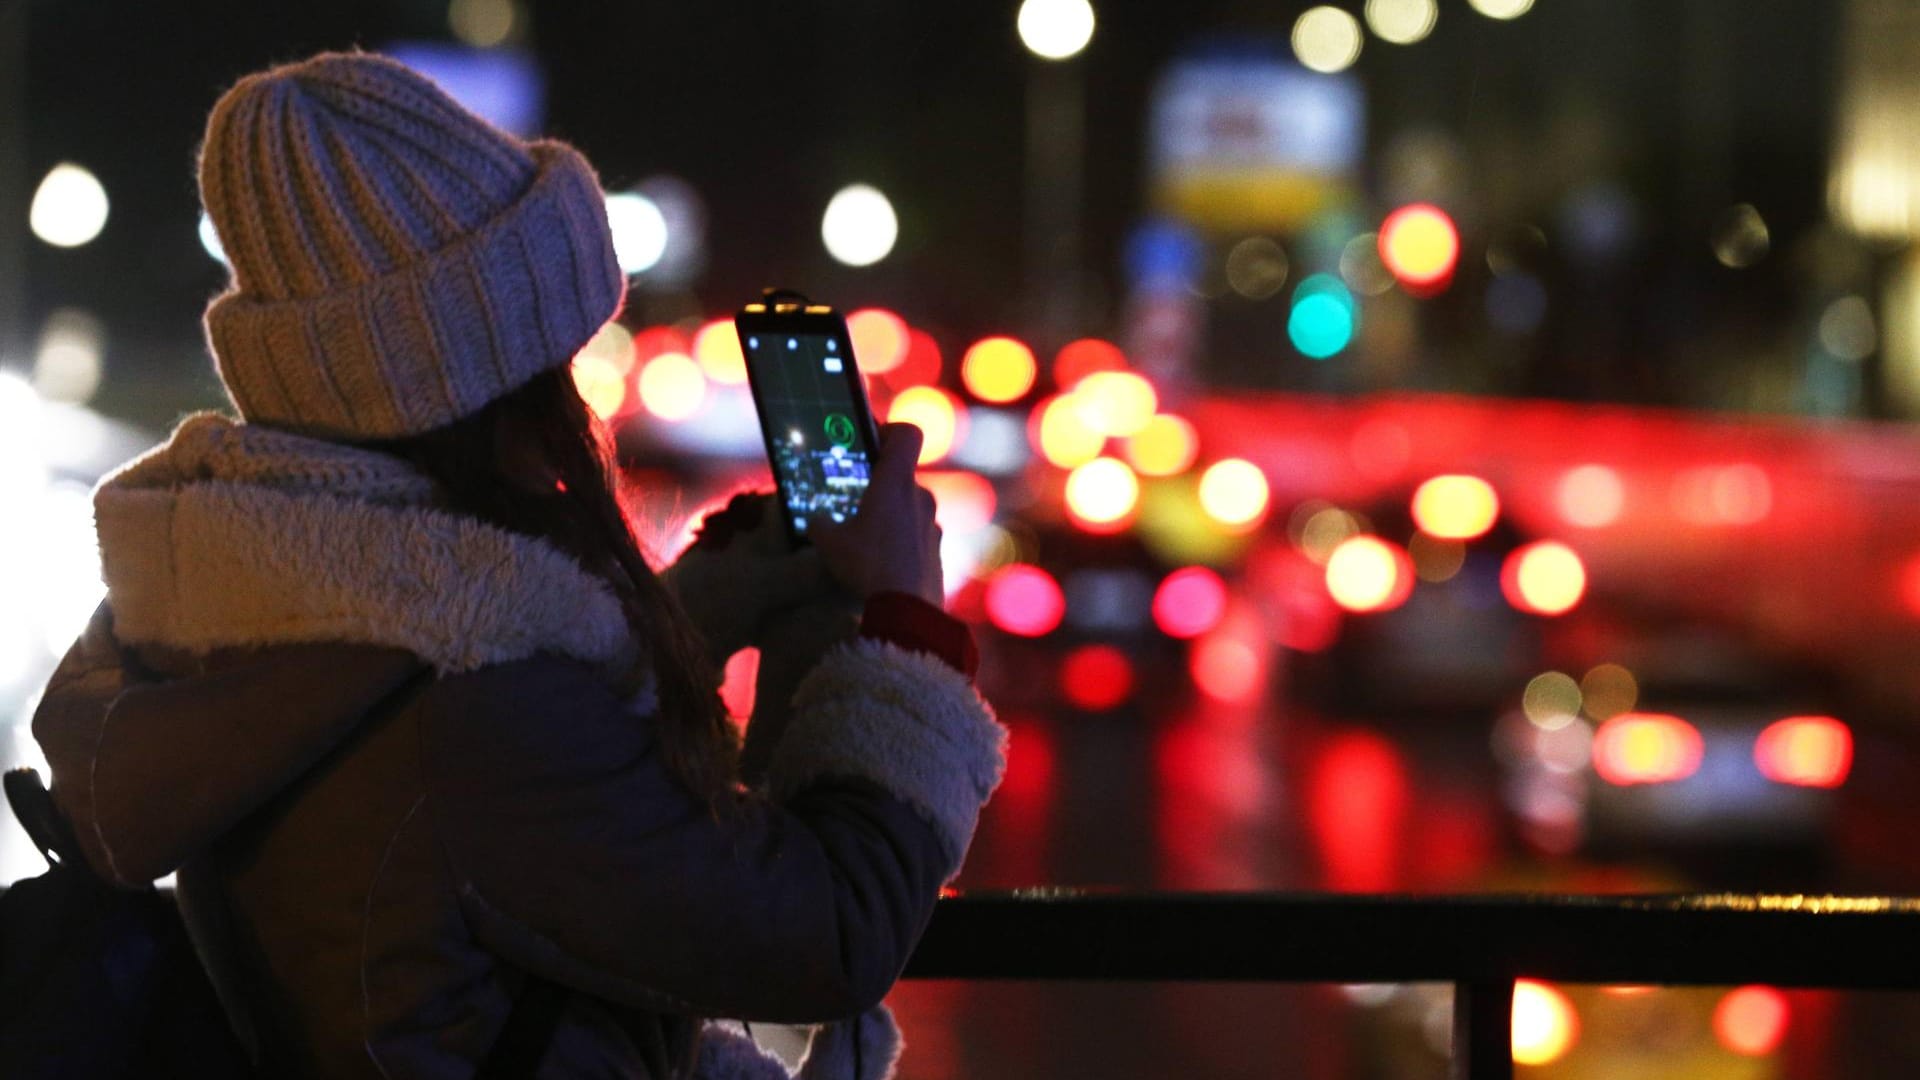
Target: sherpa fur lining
point(232, 535)
point(904, 720)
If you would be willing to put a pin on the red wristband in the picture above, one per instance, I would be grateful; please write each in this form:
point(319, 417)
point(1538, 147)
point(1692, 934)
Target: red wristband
point(907, 621)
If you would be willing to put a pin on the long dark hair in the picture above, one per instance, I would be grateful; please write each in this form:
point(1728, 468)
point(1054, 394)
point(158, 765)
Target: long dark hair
point(584, 515)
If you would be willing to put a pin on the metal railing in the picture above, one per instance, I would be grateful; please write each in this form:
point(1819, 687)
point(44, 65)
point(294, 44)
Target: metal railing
point(1480, 944)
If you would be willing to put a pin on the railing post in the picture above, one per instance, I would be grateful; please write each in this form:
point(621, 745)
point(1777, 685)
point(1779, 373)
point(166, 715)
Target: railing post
point(1483, 1030)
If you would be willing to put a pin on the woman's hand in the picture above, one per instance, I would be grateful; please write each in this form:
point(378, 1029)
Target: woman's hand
point(742, 573)
point(892, 543)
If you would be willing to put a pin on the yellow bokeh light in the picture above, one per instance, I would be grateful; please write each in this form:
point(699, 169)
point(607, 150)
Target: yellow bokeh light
point(612, 344)
point(1326, 529)
point(1102, 492)
point(1545, 577)
point(1544, 1023)
point(880, 339)
point(1061, 433)
point(672, 386)
point(717, 347)
point(1551, 698)
point(935, 413)
point(1365, 573)
point(1455, 507)
point(1419, 244)
point(601, 385)
point(1166, 446)
point(1116, 403)
point(1234, 493)
point(1608, 691)
point(1402, 22)
point(1326, 39)
point(998, 370)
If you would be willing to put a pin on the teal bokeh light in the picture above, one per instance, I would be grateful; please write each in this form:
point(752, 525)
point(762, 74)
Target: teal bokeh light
point(1324, 316)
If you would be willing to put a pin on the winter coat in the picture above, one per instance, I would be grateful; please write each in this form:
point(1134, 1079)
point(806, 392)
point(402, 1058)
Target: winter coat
point(379, 744)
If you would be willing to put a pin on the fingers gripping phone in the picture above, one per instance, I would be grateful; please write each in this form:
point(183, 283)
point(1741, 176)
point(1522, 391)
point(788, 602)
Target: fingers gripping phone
point(813, 407)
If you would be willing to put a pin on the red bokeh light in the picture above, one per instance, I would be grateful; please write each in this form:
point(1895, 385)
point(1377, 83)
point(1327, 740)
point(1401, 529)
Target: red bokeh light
point(1096, 677)
point(1079, 359)
point(1810, 751)
point(1024, 600)
point(1646, 748)
point(1226, 668)
point(1357, 796)
point(1189, 602)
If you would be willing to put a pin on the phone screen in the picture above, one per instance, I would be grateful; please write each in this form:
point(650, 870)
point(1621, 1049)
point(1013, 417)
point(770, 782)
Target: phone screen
point(815, 414)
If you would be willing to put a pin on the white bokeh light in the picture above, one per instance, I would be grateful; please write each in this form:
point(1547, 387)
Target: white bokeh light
point(859, 227)
point(1401, 22)
point(1502, 9)
point(69, 208)
point(210, 239)
point(1055, 29)
point(1326, 39)
point(639, 231)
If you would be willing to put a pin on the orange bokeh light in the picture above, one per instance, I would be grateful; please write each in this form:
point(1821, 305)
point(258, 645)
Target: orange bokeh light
point(1809, 751)
point(880, 339)
point(1366, 573)
point(717, 347)
point(1102, 494)
point(963, 501)
point(1455, 507)
point(1545, 1025)
point(998, 370)
point(1751, 1021)
point(1544, 578)
point(1646, 748)
point(672, 386)
point(936, 413)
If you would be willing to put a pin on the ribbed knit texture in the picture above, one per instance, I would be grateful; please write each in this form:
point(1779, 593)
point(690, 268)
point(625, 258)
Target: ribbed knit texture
point(397, 261)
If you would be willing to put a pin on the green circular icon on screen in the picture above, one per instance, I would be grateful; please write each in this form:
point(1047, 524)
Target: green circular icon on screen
point(840, 429)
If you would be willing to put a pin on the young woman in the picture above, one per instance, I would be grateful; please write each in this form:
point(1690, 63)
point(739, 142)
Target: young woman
point(383, 676)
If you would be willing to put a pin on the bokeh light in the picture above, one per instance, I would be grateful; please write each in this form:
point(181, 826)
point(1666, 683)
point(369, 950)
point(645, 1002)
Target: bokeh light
point(1102, 494)
point(717, 347)
point(1420, 246)
point(880, 340)
point(482, 24)
point(1502, 9)
point(1401, 22)
point(1225, 668)
point(1061, 434)
point(1321, 529)
point(639, 231)
point(1234, 492)
point(1256, 267)
point(1166, 446)
point(1590, 496)
point(1096, 678)
point(1808, 751)
point(1324, 317)
point(1455, 507)
point(1326, 39)
point(1368, 574)
point(1434, 559)
point(601, 385)
point(936, 413)
point(70, 358)
point(1544, 578)
point(998, 370)
point(1116, 403)
point(69, 207)
point(1751, 1020)
point(1551, 699)
point(1545, 1025)
point(1607, 690)
point(672, 386)
point(1740, 237)
point(1646, 748)
point(859, 226)
point(963, 501)
point(1189, 602)
point(1055, 29)
point(1024, 600)
point(1078, 359)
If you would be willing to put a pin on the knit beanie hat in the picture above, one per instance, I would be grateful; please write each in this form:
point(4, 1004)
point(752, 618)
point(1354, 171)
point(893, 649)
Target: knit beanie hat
point(397, 262)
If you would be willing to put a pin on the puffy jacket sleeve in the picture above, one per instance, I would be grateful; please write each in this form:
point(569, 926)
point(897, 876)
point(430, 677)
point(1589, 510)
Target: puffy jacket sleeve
point(580, 857)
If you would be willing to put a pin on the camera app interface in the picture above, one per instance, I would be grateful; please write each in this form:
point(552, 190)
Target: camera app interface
point(807, 396)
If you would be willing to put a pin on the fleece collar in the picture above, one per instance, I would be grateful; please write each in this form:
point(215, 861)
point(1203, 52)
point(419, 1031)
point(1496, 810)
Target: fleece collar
point(234, 535)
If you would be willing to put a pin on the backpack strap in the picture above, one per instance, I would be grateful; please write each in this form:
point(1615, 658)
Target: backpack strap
point(33, 807)
point(529, 1029)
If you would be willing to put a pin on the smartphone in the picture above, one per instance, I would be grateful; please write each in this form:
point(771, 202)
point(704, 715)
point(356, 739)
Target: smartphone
point(813, 407)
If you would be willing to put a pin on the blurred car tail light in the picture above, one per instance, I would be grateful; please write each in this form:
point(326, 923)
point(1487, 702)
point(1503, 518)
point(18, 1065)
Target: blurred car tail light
point(1646, 748)
point(1811, 751)
point(1545, 1025)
